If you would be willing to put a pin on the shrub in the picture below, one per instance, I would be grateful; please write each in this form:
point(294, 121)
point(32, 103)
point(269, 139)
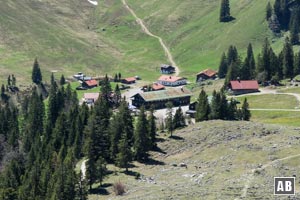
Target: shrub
point(119, 188)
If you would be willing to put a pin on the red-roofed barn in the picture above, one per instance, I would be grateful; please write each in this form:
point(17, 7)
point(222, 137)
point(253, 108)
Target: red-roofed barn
point(129, 80)
point(90, 83)
point(242, 87)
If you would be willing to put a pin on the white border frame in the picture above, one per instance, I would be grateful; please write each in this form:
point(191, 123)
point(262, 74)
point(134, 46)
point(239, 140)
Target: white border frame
point(285, 194)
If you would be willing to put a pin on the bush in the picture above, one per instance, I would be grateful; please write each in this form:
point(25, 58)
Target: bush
point(119, 188)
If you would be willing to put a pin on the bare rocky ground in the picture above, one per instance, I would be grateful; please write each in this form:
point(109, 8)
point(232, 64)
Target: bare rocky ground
point(213, 160)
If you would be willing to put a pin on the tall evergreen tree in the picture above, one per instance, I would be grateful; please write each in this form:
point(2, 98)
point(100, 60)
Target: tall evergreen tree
point(223, 66)
point(225, 11)
point(169, 118)
point(269, 11)
point(36, 72)
point(248, 67)
point(202, 107)
point(288, 59)
point(62, 80)
point(105, 88)
point(179, 120)
point(245, 111)
point(124, 156)
point(152, 129)
point(297, 64)
point(232, 55)
point(215, 106)
point(141, 136)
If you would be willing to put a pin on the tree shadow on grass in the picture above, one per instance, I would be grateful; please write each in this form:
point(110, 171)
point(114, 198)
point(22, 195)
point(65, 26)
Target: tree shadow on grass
point(151, 161)
point(157, 149)
point(132, 173)
point(175, 137)
point(101, 190)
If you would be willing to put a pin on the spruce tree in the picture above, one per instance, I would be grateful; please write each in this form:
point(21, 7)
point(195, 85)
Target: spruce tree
point(101, 170)
point(141, 137)
point(105, 88)
point(269, 11)
point(169, 118)
point(223, 105)
point(124, 156)
point(248, 69)
point(202, 107)
point(36, 73)
point(215, 106)
point(245, 111)
point(223, 66)
point(225, 11)
point(62, 80)
point(288, 59)
point(152, 129)
point(179, 120)
point(232, 55)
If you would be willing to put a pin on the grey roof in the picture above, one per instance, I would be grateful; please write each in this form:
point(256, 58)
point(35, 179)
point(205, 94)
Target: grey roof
point(170, 93)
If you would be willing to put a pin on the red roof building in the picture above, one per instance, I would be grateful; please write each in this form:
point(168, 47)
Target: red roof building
point(206, 74)
point(91, 98)
point(242, 87)
point(129, 80)
point(171, 80)
point(153, 87)
point(90, 83)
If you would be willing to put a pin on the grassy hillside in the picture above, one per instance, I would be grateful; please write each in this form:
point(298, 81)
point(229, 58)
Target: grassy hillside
point(229, 156)
point(71, 36)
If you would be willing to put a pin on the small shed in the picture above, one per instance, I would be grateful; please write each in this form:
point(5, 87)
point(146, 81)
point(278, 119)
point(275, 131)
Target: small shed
point(90, 83)
point(129, 80)
point(206, 74)
point(167, 69)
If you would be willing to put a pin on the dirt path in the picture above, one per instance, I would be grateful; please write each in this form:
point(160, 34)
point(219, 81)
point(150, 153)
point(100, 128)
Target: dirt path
point(251, 174)
point(162, 43)
point(83, 169)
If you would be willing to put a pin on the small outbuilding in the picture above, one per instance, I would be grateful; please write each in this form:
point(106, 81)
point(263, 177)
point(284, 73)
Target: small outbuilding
point(167, 69)
point(130, 80)
point(243, 86)
point(90, 83)
point(206, 75)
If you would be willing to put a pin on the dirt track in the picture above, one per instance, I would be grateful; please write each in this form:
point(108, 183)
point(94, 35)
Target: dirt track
point(162, 43)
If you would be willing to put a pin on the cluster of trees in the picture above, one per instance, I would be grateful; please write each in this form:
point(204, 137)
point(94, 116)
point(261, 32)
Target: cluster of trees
point(285, 15)
point(118, 77)
point(117, 138)
point(225, 12)
point(175, 121)
point(42, 143)
point(267, 67)
point(220, 108)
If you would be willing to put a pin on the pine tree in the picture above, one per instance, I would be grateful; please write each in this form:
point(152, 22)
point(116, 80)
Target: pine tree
point(225, 11)
point(248, 69)
point(124, 156)
point(202, 107)
point(288, 59)
point(141, 137)
point(36, 73)
point(245, 110)
point(152, 129)
point(169, 118)
point(223, 66)
point(232, 55)
point(232, 110)
point(101, 170)
point(269, 11)
point(14, 80)
point(215, 106)
point(62, 80)
point(9, 81)
point(105, 88)
point(179, 120)
point(223, 105)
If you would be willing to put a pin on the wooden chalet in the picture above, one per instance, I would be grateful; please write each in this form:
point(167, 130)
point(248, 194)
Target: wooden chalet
point(158, 99)
point(242, 87)
point(206, 74)
point(90, 83)
point(172, 81)
point(129, 80)
point(167, 69)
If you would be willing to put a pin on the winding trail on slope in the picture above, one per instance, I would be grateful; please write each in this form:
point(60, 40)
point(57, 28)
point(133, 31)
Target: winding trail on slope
point(162, 43)
point(251, 175)
point(83, 169)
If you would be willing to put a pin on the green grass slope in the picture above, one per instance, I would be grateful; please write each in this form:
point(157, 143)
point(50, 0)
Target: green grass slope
point(71, 36)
